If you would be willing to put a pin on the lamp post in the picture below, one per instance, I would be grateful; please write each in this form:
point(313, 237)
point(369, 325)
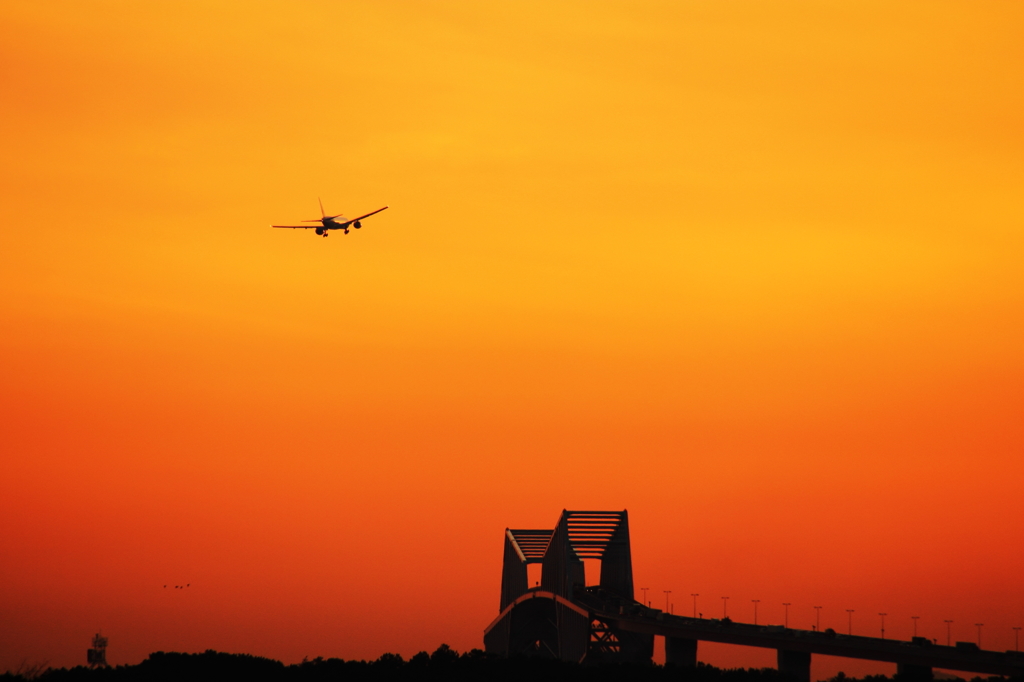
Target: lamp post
point(1016, 640)
point(818, 618)
point(949, 639)
point(756, 602)
point(787, 605)
point(914, 618)
point(725, 607)
point(883, 615)
point(667, 592)
point(978, 625)
point(644, 590)
point(694, 595)
point(850, 619)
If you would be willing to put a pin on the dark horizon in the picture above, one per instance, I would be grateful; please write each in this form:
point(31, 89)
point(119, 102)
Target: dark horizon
point(444, 663)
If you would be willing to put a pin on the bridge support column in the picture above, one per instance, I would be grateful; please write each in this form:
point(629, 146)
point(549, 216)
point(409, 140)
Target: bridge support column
point(681, 652)
point(906, 672)
point(795, 664)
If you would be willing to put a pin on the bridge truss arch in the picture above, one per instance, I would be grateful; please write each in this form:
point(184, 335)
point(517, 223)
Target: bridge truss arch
point(551, 619)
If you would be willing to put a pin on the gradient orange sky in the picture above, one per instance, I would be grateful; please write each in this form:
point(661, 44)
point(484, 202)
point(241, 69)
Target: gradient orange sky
point(751, 271)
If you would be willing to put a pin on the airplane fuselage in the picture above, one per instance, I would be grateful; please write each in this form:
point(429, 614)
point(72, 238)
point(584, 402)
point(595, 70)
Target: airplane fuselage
point(331, 224)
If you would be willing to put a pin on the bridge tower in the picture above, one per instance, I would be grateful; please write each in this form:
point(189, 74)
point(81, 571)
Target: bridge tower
point(554, 619)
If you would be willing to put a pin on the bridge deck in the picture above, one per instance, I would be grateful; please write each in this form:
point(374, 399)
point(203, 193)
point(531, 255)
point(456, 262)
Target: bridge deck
point(636, 618)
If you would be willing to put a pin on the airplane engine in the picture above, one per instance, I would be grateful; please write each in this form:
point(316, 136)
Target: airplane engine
point(357, 224)
point(319, 230)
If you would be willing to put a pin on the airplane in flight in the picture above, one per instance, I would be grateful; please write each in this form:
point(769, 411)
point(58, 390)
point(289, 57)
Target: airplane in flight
point(330, 222)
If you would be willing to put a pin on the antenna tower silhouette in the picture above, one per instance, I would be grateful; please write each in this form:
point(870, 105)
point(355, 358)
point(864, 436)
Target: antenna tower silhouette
point(97, 655)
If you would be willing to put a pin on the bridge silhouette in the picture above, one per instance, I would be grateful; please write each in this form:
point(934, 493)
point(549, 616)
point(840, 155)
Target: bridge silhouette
point(565, 619)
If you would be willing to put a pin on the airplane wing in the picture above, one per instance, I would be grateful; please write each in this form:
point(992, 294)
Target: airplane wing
point(366, 216)
point(298, 227)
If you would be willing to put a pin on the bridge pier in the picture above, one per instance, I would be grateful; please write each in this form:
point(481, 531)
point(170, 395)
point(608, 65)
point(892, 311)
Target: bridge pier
point(681, 652)
point(905, 672)
point(795, 664)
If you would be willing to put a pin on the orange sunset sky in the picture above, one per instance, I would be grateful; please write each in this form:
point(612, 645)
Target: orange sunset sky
point(751, 271)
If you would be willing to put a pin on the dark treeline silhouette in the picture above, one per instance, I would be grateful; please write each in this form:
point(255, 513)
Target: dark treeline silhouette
point(444, 664)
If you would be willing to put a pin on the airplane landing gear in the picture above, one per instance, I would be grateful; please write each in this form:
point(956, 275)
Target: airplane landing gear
point(346, 231)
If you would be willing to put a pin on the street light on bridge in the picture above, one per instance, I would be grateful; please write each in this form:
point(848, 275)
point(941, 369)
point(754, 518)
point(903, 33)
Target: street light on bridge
point(949, 639)
point(667, 592)
point(1016, 640)
point(978, 625)
point(644, 590)
point(850, 620)
point(756, 602)
point(914, 618)
point(694, 595)
point(818, 622)
point(725, 607)
point(787, 605)
point(883, 615)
